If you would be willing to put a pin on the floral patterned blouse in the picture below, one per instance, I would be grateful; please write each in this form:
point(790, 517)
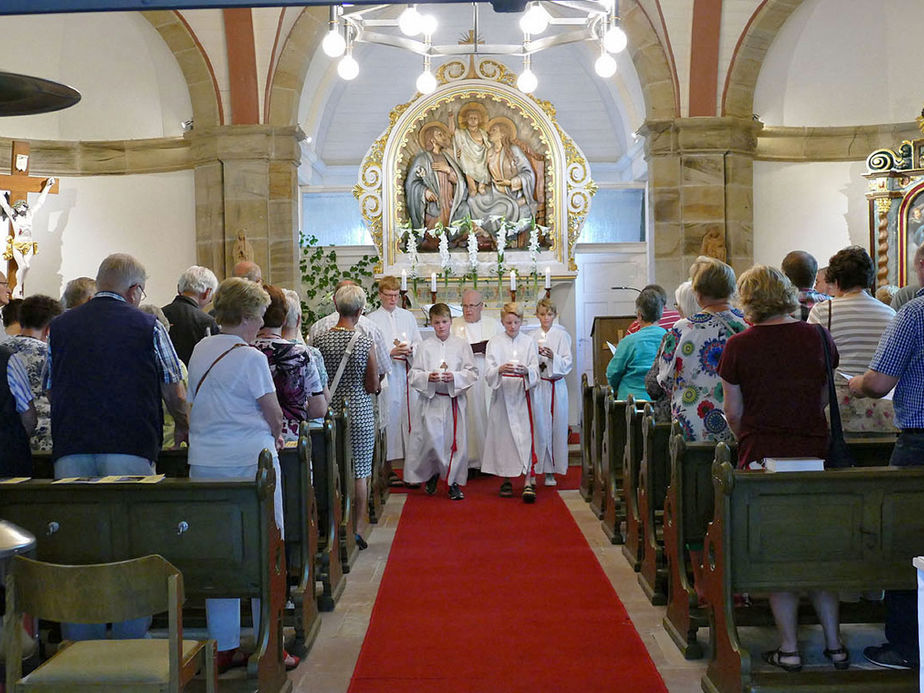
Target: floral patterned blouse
point(688, 369)
point(295, 376)
point(32, 352)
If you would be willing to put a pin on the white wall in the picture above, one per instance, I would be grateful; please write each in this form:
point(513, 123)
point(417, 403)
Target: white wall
point(151, 217)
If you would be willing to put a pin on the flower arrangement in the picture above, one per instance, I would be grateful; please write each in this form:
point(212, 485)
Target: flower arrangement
point(445, 259)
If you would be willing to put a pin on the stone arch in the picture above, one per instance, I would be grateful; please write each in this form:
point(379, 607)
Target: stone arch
point(653, 65)
point(292, 66)
point(197, 70)
point(748, 58)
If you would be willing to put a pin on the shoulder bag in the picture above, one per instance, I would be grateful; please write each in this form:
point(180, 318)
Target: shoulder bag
point(838, 453)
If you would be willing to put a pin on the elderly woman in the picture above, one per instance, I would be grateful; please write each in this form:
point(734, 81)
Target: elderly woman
point(348, 354)
point(691, 352)
point(298, 384)
point(856, 321)
point(772, 375)
point(292, 330)
point(686, 305)
point(234, 415)
point(636, 352)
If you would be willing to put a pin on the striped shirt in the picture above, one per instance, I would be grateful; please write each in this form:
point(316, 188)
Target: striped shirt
point(901, 355)
point(857, 323)
point(668, 318)
point(18, 380)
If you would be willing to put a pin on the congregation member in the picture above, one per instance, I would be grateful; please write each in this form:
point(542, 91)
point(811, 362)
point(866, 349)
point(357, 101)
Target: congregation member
point(856, 321)
point(107, 369)
point(399, 328)
point(234, 416)
point(511, 373)
point(17, 416)
point(246, 269)
point(442, 374)
point(899, 363)
point(11, 318)
point(35, 316)
point(885, 293)
point(822, 284)
point(188, 320)
point(551, 395)
point(5, 293)
point(660, 399)
point(911, 291)
point(77, 292)
point(349, 354)
point(476, 330)
point(668, 316)
point(636, 352)
point(291, 330)
point(295, 375)
point(762, 400)
point(801, 269)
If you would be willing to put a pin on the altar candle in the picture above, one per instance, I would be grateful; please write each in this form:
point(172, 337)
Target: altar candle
point(404, 338)
point(548, 277)
point(433, 282)
point(404, 280)
point(515, 361)
point(513, 280)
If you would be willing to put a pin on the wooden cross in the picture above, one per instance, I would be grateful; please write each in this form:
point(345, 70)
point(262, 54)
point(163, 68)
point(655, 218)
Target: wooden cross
point(20, 184)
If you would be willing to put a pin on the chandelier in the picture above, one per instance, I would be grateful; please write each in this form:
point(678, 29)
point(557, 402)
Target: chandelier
point(544, 25)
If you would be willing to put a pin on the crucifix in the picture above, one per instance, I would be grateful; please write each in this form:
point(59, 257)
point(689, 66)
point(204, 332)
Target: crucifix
point(20, 247)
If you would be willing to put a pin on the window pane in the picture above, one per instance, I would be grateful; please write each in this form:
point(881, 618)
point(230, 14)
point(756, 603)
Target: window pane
point(334, 218)
point(616, 216)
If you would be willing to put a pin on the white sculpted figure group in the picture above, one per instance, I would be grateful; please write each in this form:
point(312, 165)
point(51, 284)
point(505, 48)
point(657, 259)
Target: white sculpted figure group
point(20, 246)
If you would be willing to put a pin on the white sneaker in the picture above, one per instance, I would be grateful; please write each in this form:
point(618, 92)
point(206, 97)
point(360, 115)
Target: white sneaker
point(550, 480)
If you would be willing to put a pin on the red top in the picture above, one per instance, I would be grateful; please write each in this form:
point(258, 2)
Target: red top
point(781, 372)
point(668, 318)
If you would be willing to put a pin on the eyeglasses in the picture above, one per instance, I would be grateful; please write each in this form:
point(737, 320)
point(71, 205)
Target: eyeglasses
point(141, 288)
point(471, 305)
point(389, 294)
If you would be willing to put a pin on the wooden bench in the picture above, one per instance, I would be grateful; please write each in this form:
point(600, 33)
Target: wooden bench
point(843, 530)
point(327, 492)
point(598, 496)
point(222, 535)
point(614, 512)
point(653, 475)
point(631, 459)
point(349, 550)
point(378, 484)
point(587, 425)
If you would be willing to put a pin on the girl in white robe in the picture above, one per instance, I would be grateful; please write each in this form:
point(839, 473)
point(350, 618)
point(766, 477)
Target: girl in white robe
point(512, 373)
point(444, 368)
point(551, 410)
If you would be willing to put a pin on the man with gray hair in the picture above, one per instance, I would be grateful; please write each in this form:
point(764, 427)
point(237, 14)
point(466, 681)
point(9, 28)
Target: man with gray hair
point(246, 269)
point(189, 323)
point(77, 292)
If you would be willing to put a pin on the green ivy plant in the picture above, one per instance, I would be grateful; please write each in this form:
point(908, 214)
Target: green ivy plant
point(320, 274)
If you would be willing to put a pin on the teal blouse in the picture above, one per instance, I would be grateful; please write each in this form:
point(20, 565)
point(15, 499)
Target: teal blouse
point(633, 358)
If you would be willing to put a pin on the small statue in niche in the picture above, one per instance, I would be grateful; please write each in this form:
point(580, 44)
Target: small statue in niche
point(243, 250)
point(713, 244)
point(904, 157)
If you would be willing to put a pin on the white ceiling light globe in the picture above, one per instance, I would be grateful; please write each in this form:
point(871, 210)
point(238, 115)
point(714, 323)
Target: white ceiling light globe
point(333, 44)
point(410, 21)
point(535, 20)
point(527, 81)
point(615, 40)
point(608, 5)
point(605, 66)
point(426, 82)
point(428, 24)
point(348, 68)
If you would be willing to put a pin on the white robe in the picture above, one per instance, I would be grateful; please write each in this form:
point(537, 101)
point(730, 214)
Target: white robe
point(397, 400)
point(508, 444)
point(436, 426)
point(479, 397)
point(552, 429)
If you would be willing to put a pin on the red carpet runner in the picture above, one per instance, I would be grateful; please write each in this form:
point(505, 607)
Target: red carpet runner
point(489, 594)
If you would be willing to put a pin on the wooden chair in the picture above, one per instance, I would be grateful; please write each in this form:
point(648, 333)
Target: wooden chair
point(102, 593)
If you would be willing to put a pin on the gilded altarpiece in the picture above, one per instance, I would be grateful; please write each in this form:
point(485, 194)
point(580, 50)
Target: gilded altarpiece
point(474, 180)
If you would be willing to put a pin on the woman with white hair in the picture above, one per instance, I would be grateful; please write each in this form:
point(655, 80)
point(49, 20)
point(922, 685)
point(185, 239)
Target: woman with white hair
point(686, 306)
point(291, 330)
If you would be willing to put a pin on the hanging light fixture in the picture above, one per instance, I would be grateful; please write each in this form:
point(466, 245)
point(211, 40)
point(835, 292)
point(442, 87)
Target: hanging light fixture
point(410, 21)
point(333, 44)
point(348, 68)
point(535, 20)
point(426, 82)
point(615, 39)
point(605, 66)
point(428, 25)
point(527, 81)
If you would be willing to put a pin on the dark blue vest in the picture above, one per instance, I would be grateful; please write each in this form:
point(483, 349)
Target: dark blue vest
point(15, 455)
point(105, 388)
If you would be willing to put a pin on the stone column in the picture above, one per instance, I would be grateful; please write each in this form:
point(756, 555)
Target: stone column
point(247, 178)
point(700, 179)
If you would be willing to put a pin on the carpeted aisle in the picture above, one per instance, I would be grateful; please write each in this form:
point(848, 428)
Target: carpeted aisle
point(490, 594)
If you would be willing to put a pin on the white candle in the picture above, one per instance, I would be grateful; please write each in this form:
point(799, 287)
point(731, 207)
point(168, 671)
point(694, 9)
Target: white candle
point(433, 282)
point(515, 361)
point(513, 280)
point(548, 277)
point(404, 280)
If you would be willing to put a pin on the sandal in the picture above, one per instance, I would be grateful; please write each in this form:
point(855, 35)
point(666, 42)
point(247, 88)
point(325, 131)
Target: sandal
point(506, 490)
point(529, 493)
point(775, 658)
point(839, 664)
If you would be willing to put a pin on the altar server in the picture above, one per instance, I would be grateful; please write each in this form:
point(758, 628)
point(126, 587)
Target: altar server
point(476, 330)
point(512, 373)
point(399, 328)
point(551, 400)
point(443, 371)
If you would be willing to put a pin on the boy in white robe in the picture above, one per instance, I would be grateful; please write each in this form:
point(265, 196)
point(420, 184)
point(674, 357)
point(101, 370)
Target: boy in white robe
point(512, 373)
point(443, 370)
point(551, 399)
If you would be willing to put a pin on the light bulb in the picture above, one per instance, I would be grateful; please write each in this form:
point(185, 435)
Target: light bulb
point(605, 65)
point(428, 24)
point(426, 82)
point(615, 39)
point(348, 68)
point(410, 21)
point(527, 81)
point(608, 5)
point(535, 20)
point(333, 44)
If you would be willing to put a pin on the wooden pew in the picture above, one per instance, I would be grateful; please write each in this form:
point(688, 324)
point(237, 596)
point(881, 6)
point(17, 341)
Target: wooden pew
point(631, 459)
point(330, 508)
point(653, 474)
point(587, 425)
point(614, 512)
point(852, 530)
point(222, 535)
point(348, 547)
point(598, 495)
point(378, 484)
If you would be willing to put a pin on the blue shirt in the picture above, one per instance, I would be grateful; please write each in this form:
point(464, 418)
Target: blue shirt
point(633, 358)
point(900, 354)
